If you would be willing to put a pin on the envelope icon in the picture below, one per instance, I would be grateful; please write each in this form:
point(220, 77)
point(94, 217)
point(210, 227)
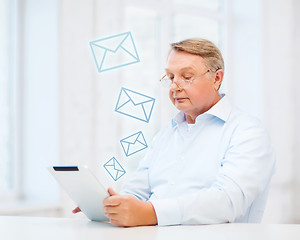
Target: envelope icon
point(114, 52)
point(134, 143)
point(135, 105)
point(114, 169)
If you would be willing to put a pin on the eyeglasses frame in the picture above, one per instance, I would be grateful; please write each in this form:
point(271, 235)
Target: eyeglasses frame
point(183, 80)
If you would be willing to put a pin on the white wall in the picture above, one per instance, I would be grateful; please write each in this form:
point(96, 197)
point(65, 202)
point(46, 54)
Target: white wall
point(244, 64)
point(280, 46)
point(296, 64)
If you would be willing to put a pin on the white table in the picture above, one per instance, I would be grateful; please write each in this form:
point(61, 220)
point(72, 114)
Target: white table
point(31, 228)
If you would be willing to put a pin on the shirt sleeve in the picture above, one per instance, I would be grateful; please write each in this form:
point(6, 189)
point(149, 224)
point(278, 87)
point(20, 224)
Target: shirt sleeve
point(245, 173)
point(139, 185)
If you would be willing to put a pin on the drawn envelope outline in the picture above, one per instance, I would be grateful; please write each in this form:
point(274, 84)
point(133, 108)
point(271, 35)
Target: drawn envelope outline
point(135, 105)
point(133, 143)
point(113, 47)
point(114, 168)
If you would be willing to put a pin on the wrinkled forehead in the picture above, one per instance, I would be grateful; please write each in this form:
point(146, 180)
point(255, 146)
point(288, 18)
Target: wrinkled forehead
point(180, 60)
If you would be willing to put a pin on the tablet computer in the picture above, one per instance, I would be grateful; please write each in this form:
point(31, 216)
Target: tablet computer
point(83, 188)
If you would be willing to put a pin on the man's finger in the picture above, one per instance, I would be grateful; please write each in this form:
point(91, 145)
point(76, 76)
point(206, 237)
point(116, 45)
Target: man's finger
point(111, 210)
point(76, 210)
point(112, 201)
point(115, 222)
point(112, 192)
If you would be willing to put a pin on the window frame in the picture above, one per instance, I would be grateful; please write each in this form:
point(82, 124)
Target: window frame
point(14, 87)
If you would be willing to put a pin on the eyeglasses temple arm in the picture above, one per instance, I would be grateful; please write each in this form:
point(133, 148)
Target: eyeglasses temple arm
point(162, 77)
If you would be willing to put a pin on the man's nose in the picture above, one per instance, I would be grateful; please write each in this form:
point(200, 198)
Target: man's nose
point(174, 85)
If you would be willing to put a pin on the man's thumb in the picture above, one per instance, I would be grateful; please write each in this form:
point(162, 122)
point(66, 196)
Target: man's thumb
point(112, 192)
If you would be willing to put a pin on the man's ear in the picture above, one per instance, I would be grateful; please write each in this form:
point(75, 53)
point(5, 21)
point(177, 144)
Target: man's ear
point(218, 78)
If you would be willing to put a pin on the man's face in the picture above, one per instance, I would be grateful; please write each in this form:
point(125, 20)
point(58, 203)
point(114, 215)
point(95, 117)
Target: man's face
point(202, 93)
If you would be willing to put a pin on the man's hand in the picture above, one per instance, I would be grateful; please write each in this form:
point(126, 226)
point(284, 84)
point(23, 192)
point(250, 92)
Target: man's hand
point(127, 211)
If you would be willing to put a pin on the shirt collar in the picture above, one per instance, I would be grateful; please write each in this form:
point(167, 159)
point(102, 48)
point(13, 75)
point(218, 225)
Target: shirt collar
point(179, 118)
point(220, 110)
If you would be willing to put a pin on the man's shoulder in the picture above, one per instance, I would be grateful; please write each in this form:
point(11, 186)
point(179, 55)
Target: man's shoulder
point(233, 115)
point(238, 115)
point(242, 121)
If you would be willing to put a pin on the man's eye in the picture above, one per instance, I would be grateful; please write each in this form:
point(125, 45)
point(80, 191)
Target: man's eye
point(187, 78)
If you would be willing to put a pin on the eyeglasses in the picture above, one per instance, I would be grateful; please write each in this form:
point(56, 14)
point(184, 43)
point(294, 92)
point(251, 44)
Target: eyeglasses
point(181, 83)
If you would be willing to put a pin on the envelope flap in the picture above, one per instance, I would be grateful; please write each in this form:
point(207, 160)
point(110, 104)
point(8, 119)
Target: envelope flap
point(110, 163)
point(137, 98)
point(129, 46)
point(131, 139)
point(111, 43)
point(141, 139)
point(118, 166)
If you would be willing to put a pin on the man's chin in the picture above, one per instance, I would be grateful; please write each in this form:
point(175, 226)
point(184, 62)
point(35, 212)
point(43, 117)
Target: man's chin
point(180, 106)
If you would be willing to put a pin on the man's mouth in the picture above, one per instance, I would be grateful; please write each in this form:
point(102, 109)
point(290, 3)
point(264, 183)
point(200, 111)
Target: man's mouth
point(180, 98)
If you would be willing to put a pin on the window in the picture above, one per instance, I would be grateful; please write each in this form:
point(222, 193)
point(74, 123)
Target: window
point(28, 99)
point(8, 183)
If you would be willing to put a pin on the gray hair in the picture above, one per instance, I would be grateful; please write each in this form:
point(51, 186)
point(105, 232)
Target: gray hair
point(205, 49)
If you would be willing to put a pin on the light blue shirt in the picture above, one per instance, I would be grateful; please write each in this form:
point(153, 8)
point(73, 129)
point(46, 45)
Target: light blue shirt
point(214, 171)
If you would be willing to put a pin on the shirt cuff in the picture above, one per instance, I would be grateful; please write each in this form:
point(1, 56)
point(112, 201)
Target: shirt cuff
point(167, 211)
